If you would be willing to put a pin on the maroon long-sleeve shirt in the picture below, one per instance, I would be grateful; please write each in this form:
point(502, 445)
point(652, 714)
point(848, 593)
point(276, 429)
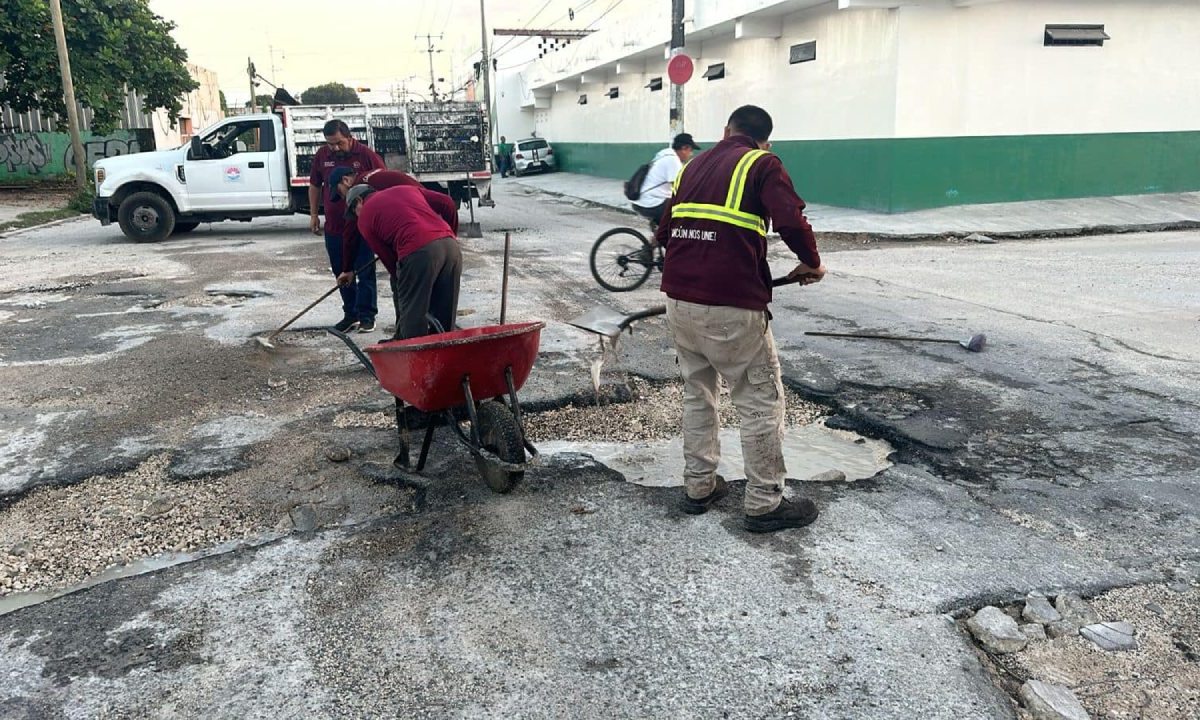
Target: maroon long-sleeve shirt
point(379, 180)
point(715, 263)
point(401, 220)
point(360, 157)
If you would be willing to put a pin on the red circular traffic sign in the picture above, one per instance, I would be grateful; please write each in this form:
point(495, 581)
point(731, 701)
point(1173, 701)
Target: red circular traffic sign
point(680, 69)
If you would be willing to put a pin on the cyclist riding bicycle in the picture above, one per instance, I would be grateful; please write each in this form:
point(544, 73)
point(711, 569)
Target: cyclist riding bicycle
point(656, 187)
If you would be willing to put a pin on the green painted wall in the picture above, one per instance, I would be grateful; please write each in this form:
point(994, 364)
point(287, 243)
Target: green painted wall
point(25, 155)
point(897, 175)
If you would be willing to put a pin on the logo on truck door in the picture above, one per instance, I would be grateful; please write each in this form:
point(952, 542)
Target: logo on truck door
point(233, 174)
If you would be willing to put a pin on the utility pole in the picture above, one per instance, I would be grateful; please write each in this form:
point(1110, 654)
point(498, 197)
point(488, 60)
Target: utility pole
point(485, 67)
point(431, 51)
point(64, 67)
point(676, 49)
point(250, 73)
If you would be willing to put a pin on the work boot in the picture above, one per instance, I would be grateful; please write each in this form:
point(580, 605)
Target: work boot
point(366, 326)
point(789, 514)
point(692, 506)
point(346, 325)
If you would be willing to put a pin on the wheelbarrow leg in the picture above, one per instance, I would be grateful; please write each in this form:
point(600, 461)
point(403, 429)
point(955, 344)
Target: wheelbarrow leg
point(401, 459)
point(425, 445)
point(516, 407)
point(466, 386)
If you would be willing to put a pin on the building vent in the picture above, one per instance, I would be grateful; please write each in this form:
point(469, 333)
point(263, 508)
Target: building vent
point(583, 99)
point(1075, 35)
point(715, 72)
point(613, 92)
point(655, 84)
point(804, 52)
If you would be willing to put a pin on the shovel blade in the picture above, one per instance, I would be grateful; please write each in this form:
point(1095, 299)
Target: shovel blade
point(470, 230)
point(976, 343)
point(600, 320)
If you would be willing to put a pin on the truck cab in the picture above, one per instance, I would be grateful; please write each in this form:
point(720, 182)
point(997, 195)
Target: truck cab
point(236, 169)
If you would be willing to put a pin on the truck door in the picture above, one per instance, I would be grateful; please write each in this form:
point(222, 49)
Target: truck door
point(233, 168)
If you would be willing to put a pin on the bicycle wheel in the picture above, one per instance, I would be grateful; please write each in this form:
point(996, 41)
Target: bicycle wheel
point(622, 259)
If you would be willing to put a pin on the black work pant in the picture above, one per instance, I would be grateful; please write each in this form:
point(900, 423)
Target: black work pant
point(426, 282)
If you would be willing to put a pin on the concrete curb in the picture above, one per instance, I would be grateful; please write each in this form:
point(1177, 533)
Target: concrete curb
point(52, 223)
point(1046, 232)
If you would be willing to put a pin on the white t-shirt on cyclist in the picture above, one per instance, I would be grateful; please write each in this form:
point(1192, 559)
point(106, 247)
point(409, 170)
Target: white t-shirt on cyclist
point(656, 188)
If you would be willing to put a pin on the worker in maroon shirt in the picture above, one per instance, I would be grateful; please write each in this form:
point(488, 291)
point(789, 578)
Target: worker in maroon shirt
point(412, 230)
point(342, 179)
point(718, 285)
point(359, 303)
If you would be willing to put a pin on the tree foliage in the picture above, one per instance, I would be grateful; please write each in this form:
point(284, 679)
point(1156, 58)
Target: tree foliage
point(224, 104)
point(262, 101)
point(330, 94)
point(114, 45)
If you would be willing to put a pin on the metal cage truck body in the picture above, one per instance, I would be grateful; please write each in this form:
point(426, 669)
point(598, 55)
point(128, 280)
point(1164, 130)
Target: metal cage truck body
point(258, 165)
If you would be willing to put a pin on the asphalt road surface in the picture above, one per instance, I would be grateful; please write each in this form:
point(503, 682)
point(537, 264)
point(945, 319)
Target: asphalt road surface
point(138, 418)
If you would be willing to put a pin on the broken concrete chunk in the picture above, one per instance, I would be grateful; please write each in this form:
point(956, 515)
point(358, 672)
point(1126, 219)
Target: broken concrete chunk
point(304, 518)
point(1039, 610)
point(1034, 631)
point(1075, 610)
point(1110, 636)
point(996, 631)
point(981, 238)
point(1062, 628)
point(1051, 702)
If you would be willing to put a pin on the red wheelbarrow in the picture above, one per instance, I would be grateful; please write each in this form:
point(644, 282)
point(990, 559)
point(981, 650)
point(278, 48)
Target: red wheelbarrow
point(439, 373)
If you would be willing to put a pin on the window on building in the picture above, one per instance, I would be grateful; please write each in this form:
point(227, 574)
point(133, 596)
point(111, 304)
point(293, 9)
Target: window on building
point(613, 92)
point(804, 52)
point(655, 84)
point(1075, 35)
point(583, 99)
point(715, 72)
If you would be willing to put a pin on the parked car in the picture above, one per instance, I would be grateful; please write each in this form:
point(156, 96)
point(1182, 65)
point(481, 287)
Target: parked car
point(532, 154)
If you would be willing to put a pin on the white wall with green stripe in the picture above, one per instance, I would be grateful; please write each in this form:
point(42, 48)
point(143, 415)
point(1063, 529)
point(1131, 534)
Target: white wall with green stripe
point(923, 106)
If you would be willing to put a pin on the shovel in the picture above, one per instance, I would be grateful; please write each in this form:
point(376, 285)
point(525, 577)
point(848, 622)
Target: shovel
point(606, 322)
point(975, 343)
point(268, 341)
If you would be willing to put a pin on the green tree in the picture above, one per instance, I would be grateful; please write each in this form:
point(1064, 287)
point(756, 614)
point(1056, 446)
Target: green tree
point(115, 46)
point(224, 105)
point(262, 101)
point(329, 94)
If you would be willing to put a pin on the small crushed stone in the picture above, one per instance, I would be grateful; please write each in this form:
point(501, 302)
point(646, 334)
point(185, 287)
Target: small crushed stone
point(358, 419)
point(655, 414)
point(57, 537)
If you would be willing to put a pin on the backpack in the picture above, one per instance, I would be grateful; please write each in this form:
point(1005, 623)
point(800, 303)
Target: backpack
point(633, 186)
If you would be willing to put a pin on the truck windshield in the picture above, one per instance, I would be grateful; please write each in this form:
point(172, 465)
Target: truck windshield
point(538, 144)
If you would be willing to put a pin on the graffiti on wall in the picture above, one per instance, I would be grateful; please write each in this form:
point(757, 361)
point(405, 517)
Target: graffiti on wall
point(24, 152)
point(100, 148)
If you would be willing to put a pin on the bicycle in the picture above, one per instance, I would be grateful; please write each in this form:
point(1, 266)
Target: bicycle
point(622, 259)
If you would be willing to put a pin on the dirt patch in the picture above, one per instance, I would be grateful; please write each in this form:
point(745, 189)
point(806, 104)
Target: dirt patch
point(1160, 680)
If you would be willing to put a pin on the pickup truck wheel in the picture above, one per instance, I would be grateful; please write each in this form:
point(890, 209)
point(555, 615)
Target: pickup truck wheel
point(185, 227)
point(146, 217)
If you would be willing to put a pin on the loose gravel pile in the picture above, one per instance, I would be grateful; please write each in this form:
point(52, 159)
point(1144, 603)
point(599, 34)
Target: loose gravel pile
point(655, 414)
point(57, 537)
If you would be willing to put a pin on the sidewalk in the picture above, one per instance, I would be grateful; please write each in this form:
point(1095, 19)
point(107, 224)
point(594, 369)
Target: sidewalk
point(1129, 213)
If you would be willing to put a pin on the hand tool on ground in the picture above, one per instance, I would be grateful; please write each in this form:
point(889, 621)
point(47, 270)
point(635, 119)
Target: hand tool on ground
point(609, 323)
point(266, 341)
point(975, 343)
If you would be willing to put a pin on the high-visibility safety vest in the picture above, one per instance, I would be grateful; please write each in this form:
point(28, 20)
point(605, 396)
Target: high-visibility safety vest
point(729, 212)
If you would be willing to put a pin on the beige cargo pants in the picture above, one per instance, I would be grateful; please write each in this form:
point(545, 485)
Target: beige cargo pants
point(736, 344)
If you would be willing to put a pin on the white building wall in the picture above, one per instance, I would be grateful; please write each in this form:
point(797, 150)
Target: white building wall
point(983, 70)
point(201, 108)
point(848, 91)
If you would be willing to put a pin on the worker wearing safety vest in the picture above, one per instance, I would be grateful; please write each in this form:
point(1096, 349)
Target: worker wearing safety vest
point(718, 285)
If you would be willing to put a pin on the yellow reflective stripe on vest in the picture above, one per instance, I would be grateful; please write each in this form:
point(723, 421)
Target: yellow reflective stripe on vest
point(737, 184)
point(729, 212)
point(701, 211)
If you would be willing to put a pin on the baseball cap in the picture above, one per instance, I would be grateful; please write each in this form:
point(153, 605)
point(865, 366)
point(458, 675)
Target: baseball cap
point(683, 140)
point(335, 179)
point(355, 193)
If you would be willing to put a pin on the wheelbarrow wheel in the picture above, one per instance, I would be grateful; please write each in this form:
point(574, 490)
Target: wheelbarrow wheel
point(499, 432)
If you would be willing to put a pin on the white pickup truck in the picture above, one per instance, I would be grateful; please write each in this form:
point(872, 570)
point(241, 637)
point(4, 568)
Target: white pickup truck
point(252, 166)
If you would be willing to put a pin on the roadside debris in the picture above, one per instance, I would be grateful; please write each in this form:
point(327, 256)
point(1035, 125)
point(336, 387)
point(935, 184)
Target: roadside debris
point(1051, 702)
point(996, 631)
